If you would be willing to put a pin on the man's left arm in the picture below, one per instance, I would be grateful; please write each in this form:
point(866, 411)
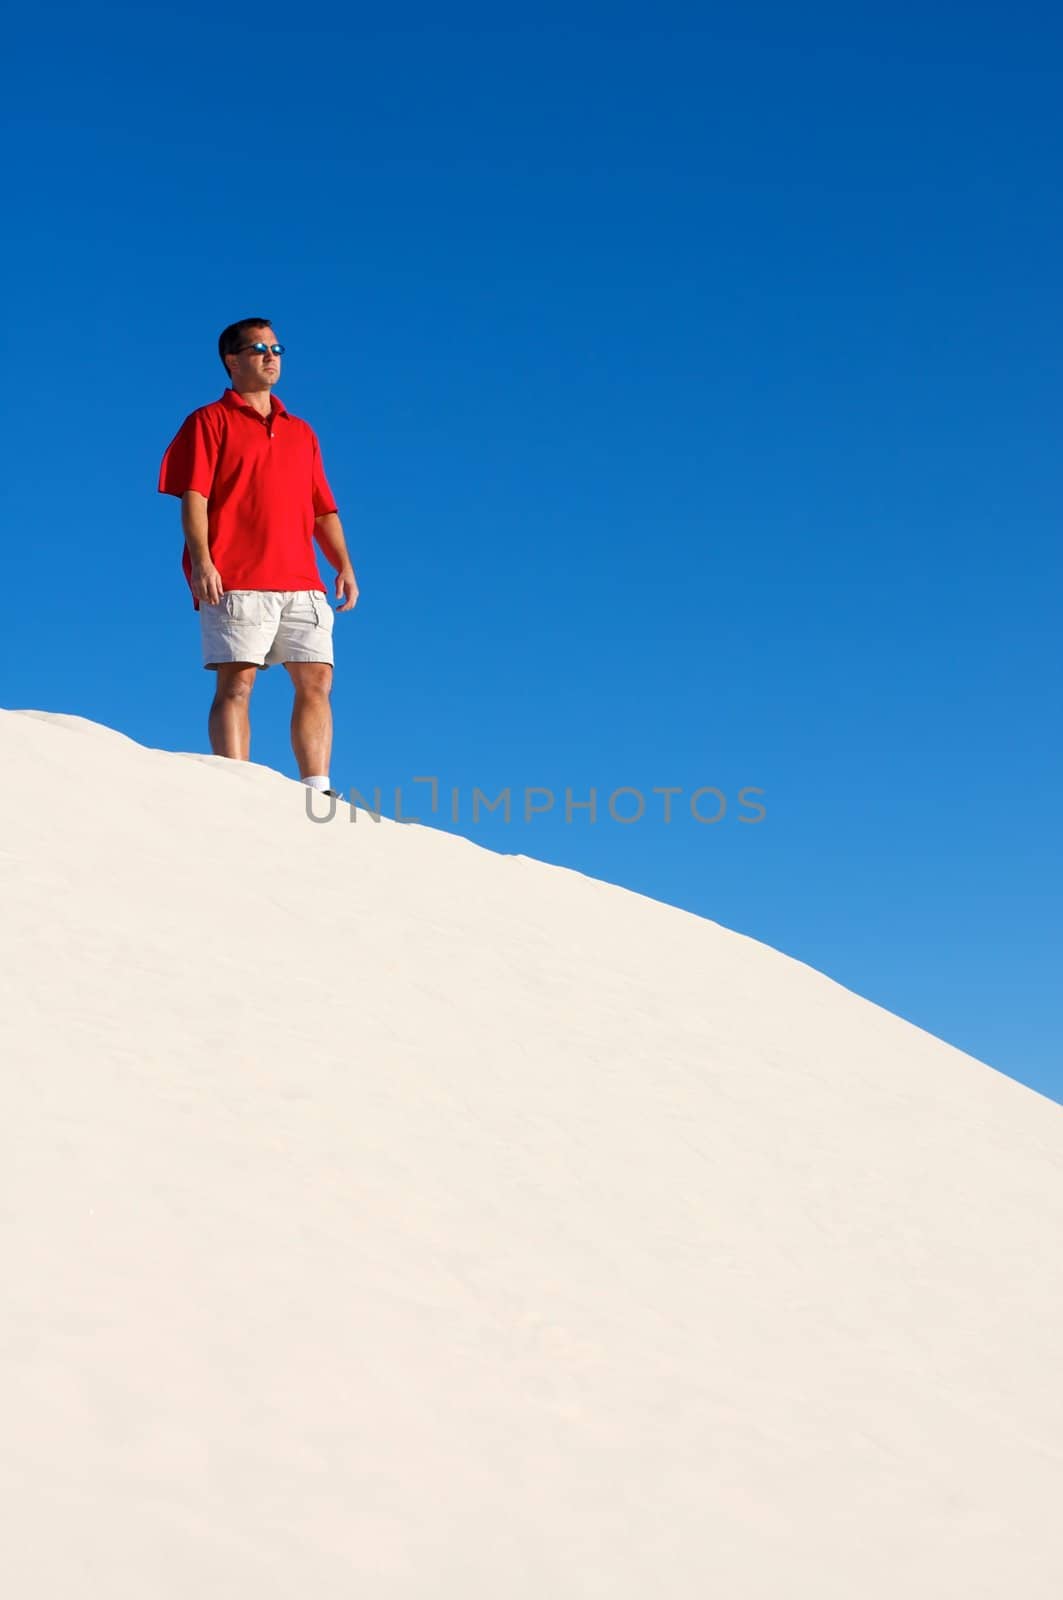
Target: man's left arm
point(328, 531)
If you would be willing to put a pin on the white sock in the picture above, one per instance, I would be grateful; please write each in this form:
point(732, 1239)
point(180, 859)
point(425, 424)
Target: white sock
point(321, 784)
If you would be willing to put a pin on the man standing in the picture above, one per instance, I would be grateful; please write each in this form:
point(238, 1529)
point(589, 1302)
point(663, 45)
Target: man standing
point(254, 497)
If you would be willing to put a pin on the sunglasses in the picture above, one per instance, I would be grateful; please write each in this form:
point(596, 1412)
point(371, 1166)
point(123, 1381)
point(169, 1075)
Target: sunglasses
point(261, 349)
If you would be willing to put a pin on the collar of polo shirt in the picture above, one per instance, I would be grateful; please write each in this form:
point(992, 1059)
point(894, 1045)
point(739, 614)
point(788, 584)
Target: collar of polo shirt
point(231, 398)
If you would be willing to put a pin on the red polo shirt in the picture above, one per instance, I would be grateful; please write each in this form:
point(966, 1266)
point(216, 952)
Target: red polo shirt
point(264, 484)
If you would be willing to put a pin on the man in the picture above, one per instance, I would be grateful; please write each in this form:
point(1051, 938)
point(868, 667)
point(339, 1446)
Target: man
point(254, 497)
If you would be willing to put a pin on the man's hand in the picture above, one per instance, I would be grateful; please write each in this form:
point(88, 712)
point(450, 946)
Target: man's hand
point(328, 531)
point(346, 587)
point(206, 583)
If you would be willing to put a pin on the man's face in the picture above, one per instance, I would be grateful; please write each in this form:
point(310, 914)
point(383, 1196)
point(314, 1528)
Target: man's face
point(249, 370)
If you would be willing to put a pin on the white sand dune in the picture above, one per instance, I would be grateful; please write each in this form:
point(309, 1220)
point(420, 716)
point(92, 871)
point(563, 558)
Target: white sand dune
point(384, 1216)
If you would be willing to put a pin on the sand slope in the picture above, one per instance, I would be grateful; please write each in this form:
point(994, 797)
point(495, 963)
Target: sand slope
point(383, 1216)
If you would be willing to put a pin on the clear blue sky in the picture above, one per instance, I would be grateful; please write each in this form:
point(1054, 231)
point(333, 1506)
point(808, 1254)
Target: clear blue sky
point(689, 383)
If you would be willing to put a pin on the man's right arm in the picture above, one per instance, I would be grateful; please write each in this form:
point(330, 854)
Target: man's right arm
point(206, 579)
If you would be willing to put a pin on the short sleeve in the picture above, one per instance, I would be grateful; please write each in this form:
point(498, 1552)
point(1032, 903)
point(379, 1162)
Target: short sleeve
point(323, 497)
point(191, 457)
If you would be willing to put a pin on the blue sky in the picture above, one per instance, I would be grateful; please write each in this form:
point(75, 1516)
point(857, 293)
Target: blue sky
point(689, 384)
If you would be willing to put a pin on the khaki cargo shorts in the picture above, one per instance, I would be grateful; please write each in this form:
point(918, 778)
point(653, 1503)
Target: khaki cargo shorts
point(266, 627)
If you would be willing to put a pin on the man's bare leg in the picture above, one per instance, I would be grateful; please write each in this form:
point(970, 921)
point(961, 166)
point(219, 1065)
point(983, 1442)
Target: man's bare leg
point(311, 716)
point(229, 724)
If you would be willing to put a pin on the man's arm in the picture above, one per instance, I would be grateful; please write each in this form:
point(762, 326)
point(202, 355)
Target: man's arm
point(206, 579)
point(328, 531)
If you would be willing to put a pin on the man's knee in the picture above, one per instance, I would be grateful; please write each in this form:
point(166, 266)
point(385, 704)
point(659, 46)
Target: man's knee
point(236, 679)
point(310, 677)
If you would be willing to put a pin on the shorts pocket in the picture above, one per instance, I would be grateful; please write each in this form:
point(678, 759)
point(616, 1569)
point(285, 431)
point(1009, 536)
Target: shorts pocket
point(322, 610)
point(241, 606)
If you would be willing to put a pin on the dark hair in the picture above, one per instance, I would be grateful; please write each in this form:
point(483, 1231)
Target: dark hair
point(233, 336)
